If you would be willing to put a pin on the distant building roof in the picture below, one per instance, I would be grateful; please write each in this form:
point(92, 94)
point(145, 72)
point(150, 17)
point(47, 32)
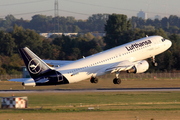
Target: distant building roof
point(47, 35)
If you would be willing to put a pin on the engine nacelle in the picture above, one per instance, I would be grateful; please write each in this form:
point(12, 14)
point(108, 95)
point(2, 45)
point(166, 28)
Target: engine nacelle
point(140, 67)
point(29, 83)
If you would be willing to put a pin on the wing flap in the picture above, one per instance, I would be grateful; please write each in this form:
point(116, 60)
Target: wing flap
point(121, 66)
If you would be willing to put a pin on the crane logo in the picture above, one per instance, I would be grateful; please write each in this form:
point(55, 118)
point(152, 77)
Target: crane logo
point(34, 66)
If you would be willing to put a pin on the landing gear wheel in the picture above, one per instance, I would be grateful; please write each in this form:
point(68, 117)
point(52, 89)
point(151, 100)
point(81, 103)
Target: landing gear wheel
point(94, 80)
point(117, 81)
point(155, 64)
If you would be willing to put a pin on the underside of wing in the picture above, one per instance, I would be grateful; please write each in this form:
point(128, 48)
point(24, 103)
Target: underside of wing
point(121, 66)
point(130, 67)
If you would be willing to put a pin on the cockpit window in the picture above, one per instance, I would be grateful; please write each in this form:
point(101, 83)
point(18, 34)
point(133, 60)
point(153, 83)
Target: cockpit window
point(163, 39)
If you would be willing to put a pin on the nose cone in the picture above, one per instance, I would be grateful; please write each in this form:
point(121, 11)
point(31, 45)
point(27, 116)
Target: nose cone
point(168, 43)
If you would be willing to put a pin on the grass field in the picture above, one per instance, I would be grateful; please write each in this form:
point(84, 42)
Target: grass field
point(115, 105)
point(105, 100)
point(104, 82)
point(104, 105)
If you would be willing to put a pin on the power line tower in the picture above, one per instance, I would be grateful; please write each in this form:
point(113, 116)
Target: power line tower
point(56, 17)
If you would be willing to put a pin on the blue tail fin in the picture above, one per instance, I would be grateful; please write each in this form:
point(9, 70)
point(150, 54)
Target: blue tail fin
point(40, 71)
point(34, 64)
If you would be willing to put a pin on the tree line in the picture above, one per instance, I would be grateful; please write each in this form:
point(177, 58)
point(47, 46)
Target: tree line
point(96, 22)
point(59, 48)
point(118, 28)
point(49, 24)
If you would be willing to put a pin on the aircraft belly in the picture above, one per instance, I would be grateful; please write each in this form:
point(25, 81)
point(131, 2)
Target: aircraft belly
point(77, 77)
point(85, 74)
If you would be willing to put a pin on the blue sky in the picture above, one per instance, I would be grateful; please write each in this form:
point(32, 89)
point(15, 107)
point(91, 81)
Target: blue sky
point(82, 9)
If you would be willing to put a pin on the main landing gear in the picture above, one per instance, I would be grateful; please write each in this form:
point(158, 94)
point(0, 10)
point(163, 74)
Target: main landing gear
point(93, 80)
point(117, 80)
point(155, 64)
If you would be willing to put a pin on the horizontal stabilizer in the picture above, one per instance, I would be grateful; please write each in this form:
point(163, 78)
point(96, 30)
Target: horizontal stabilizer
point(22, 80)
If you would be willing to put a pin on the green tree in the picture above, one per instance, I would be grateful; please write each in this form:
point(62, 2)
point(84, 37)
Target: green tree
point(164, 22)
point(175, 40)
point(114, 28)
point(173, 29)
point(76, 53)
point(9, 44)
point(89, 36)
point(173, 20)
point(149, 28)
point(96, 22)
point(75, 29)
point(46, 50)
point(41, 23)
point(27, 38)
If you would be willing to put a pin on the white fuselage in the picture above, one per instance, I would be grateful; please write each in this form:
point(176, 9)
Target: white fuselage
point(96, 64)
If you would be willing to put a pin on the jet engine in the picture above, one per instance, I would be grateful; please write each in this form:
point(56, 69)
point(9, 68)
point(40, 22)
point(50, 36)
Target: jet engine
point(29, 84)
point(140, 67)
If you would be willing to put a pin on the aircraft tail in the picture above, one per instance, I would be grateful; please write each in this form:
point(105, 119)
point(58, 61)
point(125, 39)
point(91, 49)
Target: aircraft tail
point(35, 66)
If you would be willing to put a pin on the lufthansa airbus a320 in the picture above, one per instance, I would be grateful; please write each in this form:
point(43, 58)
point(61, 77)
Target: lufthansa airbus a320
point(129, 57)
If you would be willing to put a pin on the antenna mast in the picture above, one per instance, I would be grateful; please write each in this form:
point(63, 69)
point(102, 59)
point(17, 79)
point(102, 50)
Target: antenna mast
point(56, 17)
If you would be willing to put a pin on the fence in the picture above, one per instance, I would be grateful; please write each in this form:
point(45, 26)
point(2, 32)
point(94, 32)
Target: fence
point(7, 77)
point(143, 76)
point(122, 75)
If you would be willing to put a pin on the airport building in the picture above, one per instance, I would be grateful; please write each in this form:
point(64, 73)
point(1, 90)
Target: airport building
point(157, 17)
point(47, 35)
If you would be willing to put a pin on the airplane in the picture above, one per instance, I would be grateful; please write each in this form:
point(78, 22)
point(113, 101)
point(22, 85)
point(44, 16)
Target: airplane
point(128, 57)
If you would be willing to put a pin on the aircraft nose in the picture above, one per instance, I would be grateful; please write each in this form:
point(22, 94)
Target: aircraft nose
point(169, 43)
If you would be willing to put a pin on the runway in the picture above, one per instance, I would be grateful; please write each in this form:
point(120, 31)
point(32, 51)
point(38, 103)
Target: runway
point(93, 90)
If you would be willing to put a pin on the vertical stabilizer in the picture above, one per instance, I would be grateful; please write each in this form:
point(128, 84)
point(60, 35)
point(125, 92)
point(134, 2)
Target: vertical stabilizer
point(33, 63)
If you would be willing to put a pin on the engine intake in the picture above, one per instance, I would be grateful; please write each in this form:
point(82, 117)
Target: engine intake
point(132, 70)
point(140, 67)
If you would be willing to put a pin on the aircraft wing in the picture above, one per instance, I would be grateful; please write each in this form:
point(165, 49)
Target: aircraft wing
point(121, 66)
point(58, 62)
